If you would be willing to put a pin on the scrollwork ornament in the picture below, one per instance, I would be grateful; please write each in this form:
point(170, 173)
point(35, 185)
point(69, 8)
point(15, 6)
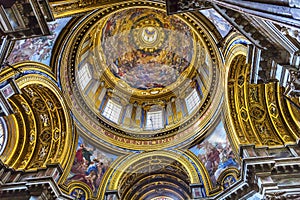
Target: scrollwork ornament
point(257, 113)
point(78, 194)
point(46, 136)
point(39, 105)
point(43, 152)
point(253, 92)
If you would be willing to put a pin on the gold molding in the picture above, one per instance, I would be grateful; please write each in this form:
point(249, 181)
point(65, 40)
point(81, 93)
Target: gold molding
point(45, 114)
point(67, 8)
point(257, 111)
point(132, 159)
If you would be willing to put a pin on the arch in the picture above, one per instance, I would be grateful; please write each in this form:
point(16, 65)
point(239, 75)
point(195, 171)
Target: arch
point(41, 120)
point(257, 112)
point(150, 166)
point(232, 50)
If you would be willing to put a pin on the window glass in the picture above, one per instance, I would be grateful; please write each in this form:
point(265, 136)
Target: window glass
point(154, 120)
point(192, 101)
point(84, 76)
point(112, 111)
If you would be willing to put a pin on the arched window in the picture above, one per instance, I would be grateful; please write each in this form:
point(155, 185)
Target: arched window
point(112, 111)
point(192, 101)
point(154, 120)
point(84, 76)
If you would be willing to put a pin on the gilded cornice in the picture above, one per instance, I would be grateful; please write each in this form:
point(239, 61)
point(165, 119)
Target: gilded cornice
point(79, 7)
point(26, 67)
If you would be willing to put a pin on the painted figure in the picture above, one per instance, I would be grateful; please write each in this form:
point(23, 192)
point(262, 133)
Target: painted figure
point(90, 164)
point(215, 153)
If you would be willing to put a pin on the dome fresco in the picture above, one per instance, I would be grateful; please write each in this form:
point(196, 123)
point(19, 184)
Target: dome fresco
point(139, 77)
point(146, 48)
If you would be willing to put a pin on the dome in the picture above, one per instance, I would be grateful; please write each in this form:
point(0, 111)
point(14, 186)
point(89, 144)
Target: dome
point(145, 48)
point(142, 76)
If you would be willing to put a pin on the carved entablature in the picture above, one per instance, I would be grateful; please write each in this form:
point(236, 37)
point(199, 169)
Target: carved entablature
point(77, 7)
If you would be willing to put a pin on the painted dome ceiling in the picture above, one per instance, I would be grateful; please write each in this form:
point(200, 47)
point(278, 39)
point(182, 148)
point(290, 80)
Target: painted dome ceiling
point(137, 75)
point(146, 48)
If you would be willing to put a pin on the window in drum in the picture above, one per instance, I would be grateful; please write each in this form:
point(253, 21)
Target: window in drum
point(192, 101)
point(112, 111)
point(84, 76)
point(154, 120)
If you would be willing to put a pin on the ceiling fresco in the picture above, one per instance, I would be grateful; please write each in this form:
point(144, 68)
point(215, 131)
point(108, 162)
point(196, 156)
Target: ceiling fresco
point(221, 24)
point(38, 49)
point(216, 153)
point(89, 165)
point(146, 48)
